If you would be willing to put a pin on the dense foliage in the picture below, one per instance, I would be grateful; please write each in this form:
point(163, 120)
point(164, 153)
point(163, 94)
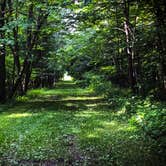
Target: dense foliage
point(29, 39)
point(113, 48)
point(121, 40)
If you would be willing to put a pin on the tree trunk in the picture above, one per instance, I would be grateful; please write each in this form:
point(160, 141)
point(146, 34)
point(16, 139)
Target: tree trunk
point(160, 28)
point(15, 47)
point(129, 45)
point(32, 39)
point(27, 77)
point(2, 54)
point(29, 50)
point(20, 78)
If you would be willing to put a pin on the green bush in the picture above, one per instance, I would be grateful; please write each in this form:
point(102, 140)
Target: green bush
point(151, 118)
point(94, 82)
point(146, 115)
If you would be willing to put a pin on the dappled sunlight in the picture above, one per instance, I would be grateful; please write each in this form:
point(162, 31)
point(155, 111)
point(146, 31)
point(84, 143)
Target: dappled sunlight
point(131, 128)
point(40, 125)
point(121, 111)
point(45, 93)
point(118, 126)
point(83, 115)
point(92, 135)
point(101, 103)
point(88, 113)
point(69, 98)
point(113, 126)
point(109, 124)
point(91, 105)
point(82, 98)
point(83, 82)
point(19, 115)
point(140, 117)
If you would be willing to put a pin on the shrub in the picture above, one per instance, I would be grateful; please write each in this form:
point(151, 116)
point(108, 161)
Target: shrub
point(151, 118)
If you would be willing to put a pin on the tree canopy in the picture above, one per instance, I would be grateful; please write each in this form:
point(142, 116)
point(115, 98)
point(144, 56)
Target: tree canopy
point(115, 53)
point(121, 40)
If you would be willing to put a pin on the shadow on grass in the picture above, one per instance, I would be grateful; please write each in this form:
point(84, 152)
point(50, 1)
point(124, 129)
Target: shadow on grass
point(69, 126)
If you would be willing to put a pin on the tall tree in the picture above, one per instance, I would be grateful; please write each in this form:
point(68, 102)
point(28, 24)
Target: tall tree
point(129, 43)
point(2, 52)
point(159, 9)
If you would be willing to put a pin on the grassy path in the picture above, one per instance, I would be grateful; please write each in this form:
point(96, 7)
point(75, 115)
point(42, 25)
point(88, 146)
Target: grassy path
point(68, 126)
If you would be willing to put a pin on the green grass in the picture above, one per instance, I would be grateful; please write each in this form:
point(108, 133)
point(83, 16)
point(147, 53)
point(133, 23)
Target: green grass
point(69, 125)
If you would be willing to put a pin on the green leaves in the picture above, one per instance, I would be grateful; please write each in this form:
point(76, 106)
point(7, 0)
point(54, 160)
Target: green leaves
point(87, 1)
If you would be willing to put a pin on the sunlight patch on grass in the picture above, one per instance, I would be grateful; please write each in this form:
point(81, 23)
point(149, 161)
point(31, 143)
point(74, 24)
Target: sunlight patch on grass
point(88, 114)
point(131, 128)
point(82, 98)
point(92, 135)
point(91, 105)
point(109, 124)
point(58, 92)
point(83, 115)
point(117, 127)
point(36, 129)
point(122, 111)
point(19, 115)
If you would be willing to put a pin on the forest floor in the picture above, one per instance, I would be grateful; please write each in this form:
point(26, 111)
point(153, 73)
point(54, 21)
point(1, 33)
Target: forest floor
point(68, 125)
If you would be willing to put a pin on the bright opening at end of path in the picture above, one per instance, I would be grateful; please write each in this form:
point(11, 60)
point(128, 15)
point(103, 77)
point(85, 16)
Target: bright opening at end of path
point(67, 77)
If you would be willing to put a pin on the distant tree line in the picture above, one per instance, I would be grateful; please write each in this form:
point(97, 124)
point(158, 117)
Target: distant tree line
point(120, 40)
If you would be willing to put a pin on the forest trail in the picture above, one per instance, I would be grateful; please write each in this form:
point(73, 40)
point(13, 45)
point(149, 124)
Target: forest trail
point(68, 125)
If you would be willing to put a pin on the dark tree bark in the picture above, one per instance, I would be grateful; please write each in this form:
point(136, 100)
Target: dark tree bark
point(29, 50)
point(2, 54)
point(15, 47)
point(32, 40)
point(129, 44)
point(159, 10)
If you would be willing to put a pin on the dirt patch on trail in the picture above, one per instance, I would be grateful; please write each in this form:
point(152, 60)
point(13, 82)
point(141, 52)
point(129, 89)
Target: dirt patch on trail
point(75, 156)
point(57, 162)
